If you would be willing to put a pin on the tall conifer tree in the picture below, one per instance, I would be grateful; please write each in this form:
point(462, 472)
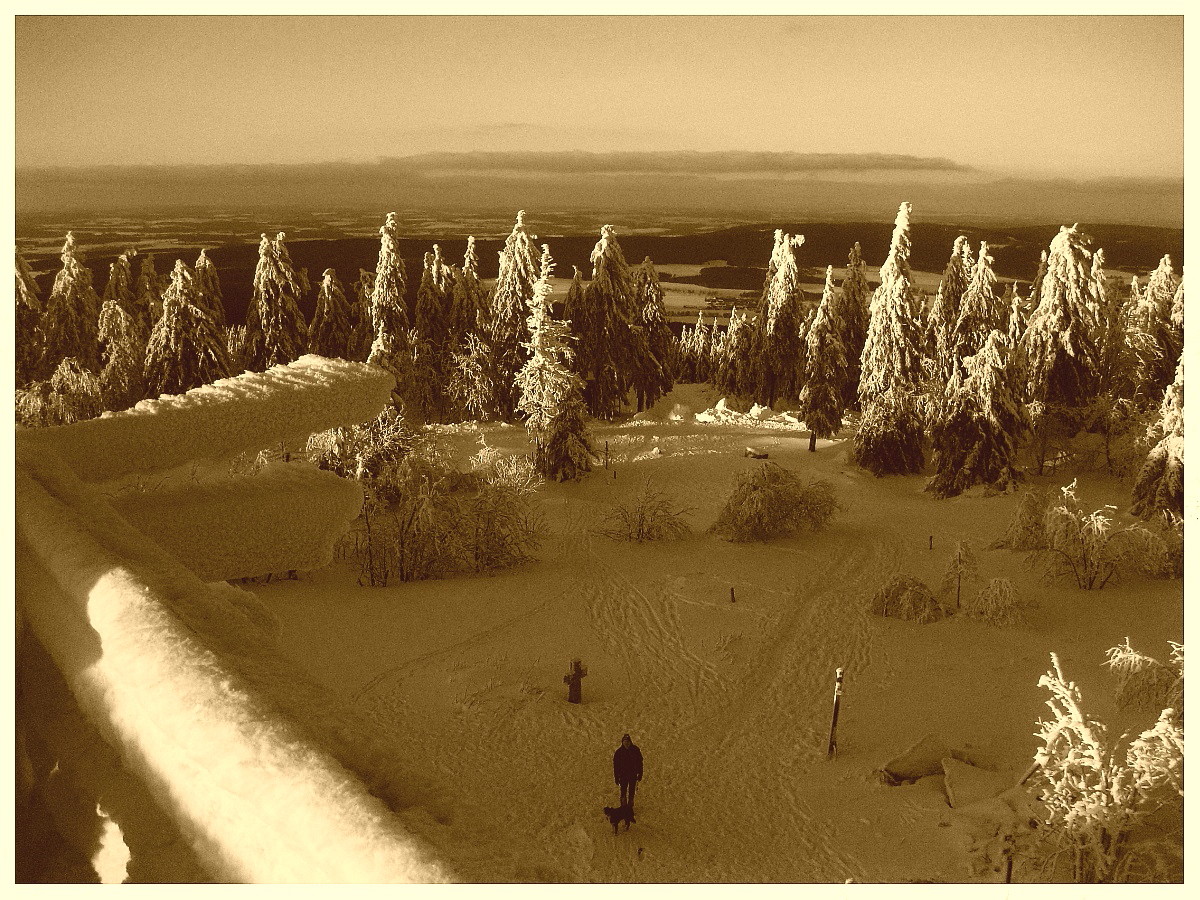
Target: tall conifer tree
point(944, 315)
point(331, 332)
point(1159, 485)
point(71, 320)
point(975, 440)
point(28, 323)
point(551, 393)
point(208, 283)
point(656, 377)
point(890, 437)
point(852, 314)
point(123, 338)
point(782, 322)
point(186, 348)
point(979, 312)
point(279, 335)
point(468, 301)
point(508, 328)
point(607, 349)
point(822, 399)
point(1057, 348)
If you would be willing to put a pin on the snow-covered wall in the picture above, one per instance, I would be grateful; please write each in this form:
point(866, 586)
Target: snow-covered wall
point(220, 420)
point(259, 769)
point(287, 516)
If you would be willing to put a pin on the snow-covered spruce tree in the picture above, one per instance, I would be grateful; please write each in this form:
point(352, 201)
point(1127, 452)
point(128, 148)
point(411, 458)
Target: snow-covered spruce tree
point(821, 400)
point(278, 334)
point(980, 311)
point(433, 298)
point(1156, 342)
point(1018, 316)
point(122, 338)
point(943, 317)
point(507, 326)
point(1059, 353)
point(331, 332)
point(1092, 795)
point(607, 351)
point(852, 312)
point(1035, 289)
point(782, 322)
point(685, 356)
point(701, 343)
point(1112, 356)
point(551, 394)
point(650, 315)
point(362, 332)
point(1177, 312)
point(468, 298)
point(733, 375)
point(890, 437)
point(72, 312)
point(390, 347)
point(431, 315)
point(149, 292)
point(1159, 486)
point(186, 348)
point(980, 426)
point(27, 325)
point(209, 286)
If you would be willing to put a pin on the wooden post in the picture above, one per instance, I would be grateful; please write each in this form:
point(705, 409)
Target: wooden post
point(837, 702)
point(732, 598)
point(574, 682)
point(1008, 861)
point(614, 473)
point(931, 542)
point(606, 454)
point(958, 574)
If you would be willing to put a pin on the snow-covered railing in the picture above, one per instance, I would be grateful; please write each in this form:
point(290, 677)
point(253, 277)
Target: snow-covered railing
point(251, 760)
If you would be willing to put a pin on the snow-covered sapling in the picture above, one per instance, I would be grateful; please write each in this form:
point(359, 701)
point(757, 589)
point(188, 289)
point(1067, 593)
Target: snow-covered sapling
point(998, 603)
point(651, 516)
point(962, 567)
point(906, 597)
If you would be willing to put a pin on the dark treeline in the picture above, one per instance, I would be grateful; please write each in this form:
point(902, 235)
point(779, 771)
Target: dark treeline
point(1016, 250)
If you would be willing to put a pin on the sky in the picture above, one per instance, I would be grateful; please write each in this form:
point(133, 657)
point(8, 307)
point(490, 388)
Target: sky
point(1083, 96)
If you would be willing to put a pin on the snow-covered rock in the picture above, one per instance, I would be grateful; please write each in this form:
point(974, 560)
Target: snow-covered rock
point(967, 784)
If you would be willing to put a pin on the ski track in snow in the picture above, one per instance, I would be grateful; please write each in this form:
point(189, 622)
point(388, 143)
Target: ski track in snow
point(723, 745)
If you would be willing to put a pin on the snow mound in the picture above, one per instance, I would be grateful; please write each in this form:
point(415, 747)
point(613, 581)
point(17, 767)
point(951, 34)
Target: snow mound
point(221, 420)
point(757, 417)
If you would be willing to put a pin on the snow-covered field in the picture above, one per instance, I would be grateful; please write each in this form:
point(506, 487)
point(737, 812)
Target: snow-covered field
point(729, 701)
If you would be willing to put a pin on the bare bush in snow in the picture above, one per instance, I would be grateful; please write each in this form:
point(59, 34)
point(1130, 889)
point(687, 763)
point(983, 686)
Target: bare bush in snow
point(770, 501)
point(650, 516)
point(1145, 683)
point(1088, 546)
point(963, 568)
point(1095, 792)
point(998, 604)
point(1027, 528)
point(905, 597)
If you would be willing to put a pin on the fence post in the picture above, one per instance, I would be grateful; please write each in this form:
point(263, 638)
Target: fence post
point(837, 702)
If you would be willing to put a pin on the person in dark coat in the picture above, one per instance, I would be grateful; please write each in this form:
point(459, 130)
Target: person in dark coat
point(627, 769)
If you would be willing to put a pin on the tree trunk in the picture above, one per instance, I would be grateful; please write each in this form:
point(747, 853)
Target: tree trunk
point(812, 441)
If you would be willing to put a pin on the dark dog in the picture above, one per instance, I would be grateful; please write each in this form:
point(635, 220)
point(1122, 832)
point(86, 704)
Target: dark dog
point(618, 814)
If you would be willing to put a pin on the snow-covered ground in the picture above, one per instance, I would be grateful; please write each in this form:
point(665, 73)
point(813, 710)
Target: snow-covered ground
point(729, 701)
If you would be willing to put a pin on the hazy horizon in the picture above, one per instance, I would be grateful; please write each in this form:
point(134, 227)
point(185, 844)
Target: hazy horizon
point(1012, 96)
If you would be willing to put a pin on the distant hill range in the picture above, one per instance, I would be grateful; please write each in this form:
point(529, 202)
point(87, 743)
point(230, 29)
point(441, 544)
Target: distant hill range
point(746, 248)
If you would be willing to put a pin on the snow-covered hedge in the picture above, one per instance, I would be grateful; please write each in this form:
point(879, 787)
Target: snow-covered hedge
point(284, 517)
point(171, 673)
point(221, 420)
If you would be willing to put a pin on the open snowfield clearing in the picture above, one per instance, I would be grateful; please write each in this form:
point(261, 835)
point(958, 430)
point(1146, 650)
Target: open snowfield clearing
point(729, 701)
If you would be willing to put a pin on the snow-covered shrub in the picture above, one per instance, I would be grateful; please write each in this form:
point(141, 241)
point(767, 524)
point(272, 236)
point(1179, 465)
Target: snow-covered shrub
point(998, 603)
point(73, 393)
point(1087, 546)
point(1163, 557)
point(1027, 528)
point(650, 516)
point(905, 597)
point(1145, 683)
point(1093, 796)
point(769, 501)
point(425, 519)
point(365, 451)
point(237, 346)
